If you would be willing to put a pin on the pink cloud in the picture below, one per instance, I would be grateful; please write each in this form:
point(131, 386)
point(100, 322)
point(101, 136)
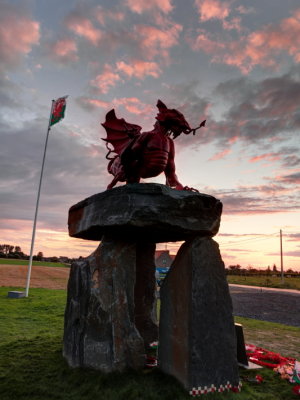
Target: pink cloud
point(134, 105)
point(155, 41)
point(139, 69)
point(233, 139)
point(83, 27)
point(206, 43)
point(258, 48)
point(102, 15)
point(103, 82)
point(212, 9)
point(220, 155)
point(293, 178)
point(131, 104)
point(64, 50)
point(92, 103)
point(267, 156)
point(245, 10)
point(282, 37)
point(18, 34)
point(234, 23)
point(140, 6)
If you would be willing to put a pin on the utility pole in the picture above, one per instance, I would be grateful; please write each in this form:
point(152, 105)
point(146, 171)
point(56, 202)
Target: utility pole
point(281, 258)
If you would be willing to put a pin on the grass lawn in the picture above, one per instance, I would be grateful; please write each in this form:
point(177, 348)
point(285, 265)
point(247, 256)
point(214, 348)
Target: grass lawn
point(266, 281)
point(11, 261)
point(32, 366)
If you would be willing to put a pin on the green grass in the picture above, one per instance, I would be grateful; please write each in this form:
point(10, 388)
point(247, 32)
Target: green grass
point(11, 261)
point(266, 281)
point(32, 366)
point(283, 339)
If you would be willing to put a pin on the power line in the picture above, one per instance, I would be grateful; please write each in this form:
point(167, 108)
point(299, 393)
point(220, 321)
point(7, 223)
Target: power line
point(258, 238)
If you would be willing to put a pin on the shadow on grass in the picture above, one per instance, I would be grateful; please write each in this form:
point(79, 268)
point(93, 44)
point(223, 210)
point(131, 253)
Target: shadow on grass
point(35, 369)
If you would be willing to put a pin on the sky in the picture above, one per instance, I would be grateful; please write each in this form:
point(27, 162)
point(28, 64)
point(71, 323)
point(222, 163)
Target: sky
point(235, 63)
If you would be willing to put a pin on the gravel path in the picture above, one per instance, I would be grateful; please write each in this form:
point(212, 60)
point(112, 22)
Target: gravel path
point(266, 304)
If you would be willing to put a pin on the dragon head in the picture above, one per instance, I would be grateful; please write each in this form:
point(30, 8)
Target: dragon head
point(172, 119)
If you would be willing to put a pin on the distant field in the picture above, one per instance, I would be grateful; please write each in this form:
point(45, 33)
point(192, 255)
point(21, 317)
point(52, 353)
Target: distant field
point(41, 276)
point(275, 282)
point(37, 263)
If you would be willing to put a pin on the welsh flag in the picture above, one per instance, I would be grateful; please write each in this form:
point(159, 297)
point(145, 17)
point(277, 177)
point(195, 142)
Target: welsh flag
point(58, 110)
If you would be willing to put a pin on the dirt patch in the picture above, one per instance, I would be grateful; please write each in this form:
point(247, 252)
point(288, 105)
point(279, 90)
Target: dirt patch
point(41, 277)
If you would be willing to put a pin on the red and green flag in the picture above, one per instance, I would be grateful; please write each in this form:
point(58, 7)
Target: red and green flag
point(58, 110)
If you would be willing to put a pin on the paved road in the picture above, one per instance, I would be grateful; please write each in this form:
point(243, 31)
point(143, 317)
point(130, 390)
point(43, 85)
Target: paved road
point(273, 305)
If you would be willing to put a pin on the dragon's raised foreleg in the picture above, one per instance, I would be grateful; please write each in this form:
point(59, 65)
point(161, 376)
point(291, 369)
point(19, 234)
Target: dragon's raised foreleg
point(116, 169)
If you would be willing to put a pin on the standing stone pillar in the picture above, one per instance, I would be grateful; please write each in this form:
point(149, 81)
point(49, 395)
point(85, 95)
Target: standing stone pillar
point(197, 341)
point(100, 330)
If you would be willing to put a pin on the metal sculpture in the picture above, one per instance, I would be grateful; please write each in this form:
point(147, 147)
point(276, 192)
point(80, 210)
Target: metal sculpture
point(145, 154)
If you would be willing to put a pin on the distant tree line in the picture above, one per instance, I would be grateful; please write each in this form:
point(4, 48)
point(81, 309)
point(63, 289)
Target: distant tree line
point(268, 271)
point(15, 252)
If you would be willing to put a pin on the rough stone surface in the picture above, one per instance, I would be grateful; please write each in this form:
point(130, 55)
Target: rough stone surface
point(100, 330)
point(197, 342)
point(145, 211)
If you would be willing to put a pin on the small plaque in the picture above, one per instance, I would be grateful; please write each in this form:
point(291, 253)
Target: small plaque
point(15, 294)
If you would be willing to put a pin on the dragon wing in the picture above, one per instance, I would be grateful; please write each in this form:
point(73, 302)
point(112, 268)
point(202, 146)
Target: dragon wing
point(119, 133)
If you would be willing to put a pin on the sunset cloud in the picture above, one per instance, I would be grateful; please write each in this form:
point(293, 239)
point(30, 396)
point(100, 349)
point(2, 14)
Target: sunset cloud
point(220, 155)
point(140, 6)
point(234, 23)
point(245, 10)
point(90, 103)
point(260, 47)
point(282, 37)
point(290, 178)
point(139, 69)
point(64, 50)
point(293, 237)
point(154, 41)
point(83, 27)
point(111, 75)
point(103, 15)
point(212, 9)
point(267, 157)
point(107, 79)
point(18, 34)
point(134, 105)
point(131, 104)
point(205, 42)
point(256, 111)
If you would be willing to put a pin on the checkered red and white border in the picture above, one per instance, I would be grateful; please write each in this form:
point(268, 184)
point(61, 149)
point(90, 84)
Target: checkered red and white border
point(211, 389)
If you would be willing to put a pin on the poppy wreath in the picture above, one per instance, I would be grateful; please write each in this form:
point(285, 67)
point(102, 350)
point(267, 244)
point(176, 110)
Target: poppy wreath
point(266, 358)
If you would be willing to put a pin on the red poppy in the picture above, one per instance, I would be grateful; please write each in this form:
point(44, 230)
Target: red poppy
point(296, 390)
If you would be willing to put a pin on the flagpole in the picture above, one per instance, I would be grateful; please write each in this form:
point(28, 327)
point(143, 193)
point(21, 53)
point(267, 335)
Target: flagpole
point(37, 206)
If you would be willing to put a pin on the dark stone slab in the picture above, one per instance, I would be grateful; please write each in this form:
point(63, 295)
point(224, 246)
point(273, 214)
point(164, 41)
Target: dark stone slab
point(100, 329)
point(197, 342)
point(148, 212)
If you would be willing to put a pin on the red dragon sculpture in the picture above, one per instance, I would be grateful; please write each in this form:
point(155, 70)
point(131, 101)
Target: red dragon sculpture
point(145, 154)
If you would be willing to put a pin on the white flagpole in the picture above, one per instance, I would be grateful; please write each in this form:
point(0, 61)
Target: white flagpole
point(37, 206)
